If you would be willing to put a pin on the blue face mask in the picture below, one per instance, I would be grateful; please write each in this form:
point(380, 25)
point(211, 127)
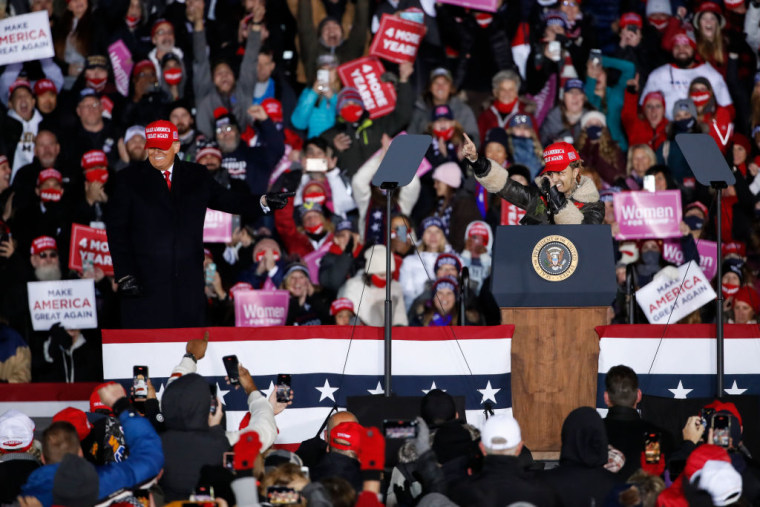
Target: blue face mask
point(694, 222)
point(416, 17)
point(525, 154)
point(650, 258)
point(594, 132)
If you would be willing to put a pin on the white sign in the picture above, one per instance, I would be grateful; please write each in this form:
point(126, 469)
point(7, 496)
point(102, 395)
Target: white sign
point(70, 302)
point(25, 37)
point(666, 301)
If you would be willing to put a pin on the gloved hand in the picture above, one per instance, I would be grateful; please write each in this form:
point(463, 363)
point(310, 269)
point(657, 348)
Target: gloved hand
point(278, 200)
point(59, 337)
point(422, 440)
point(246, 450)
point(555, 199)
point(129, 286)
point(372, 453)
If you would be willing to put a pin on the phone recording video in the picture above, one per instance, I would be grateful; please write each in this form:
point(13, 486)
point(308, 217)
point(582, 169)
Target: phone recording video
point(214, 400)
point(228, 460)
point(315, 165)
point(140, 382)
point(721, 430)
point(282, 495)
point(231, 366)
point(283, 388)
point(652, 450)
point(399, 429)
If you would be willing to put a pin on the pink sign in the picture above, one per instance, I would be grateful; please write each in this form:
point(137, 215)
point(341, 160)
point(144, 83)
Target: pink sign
point(708, 255)
point(314, 259)
point(643, 215)
point(511, 214)
point(397, 40)
point(424, 167)
point(217, 228)
point(261, 308)
point(481, 5)
point(121, 61)
point(364, 74)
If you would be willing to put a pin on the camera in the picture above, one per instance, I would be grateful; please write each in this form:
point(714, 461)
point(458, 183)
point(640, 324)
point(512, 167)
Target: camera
point(399, 429)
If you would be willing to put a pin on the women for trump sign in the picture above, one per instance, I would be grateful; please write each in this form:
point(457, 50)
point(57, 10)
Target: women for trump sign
point(643, 215)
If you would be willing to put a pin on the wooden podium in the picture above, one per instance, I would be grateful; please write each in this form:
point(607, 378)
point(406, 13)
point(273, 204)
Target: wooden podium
point(554, 283)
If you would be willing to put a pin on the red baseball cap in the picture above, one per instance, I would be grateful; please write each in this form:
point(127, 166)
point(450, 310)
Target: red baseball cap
point(43, 243)
point(558, 156)
point(142, 65)
point(20, 83)
point(479, 228)
point(630, 18)
point(341, 304)
point(161, 134)
point(683, 40)
point(43, 86)
point(158, 23)
point(94, 158)
point(347, 436)
point(273, 107)
point(77, 418)
point(734, 247)
point(49, 173)
point(654, 96)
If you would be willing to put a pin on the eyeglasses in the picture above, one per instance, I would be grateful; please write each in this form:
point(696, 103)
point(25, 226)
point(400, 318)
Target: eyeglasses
point(90, 106)
point(224, 130)
point(53, 255)
point(164, 32)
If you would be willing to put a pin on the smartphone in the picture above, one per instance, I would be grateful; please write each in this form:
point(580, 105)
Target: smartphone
point(210, 273)
point(235, 222)
point(705, 414)
point(652, 451)
point(316, 165)
point(282, 495)
point(140, 382)
point(555, 50)
point(283, 388)
point(203, 494)
point(231, 365)
point(399, 429)
point(228, 460)
point(721, 428)
point(595, 57)
point(323, 76)
point(649, 185)
point(214, 400)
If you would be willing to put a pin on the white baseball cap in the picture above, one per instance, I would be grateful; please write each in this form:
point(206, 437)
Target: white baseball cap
point(16, 431)
point(501, 432)
point(721, 480)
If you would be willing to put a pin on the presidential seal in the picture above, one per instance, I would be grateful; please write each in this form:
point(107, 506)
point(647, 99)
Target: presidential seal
point(555, 258)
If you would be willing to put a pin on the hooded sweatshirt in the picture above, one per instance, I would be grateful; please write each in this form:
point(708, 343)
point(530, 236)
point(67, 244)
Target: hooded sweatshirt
point(580, 479)
point(188, 442)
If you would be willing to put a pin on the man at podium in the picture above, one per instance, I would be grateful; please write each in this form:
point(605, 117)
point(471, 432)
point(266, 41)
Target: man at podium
point(564, 196)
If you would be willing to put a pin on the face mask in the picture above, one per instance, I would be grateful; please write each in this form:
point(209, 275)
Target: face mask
point(700, 98)
point(351, 112)
point(504, 107)
point(683, 125)
point(650, 258)
point(51, 195)
point(173, 76)
point(315, 229)
point(96, 84)
point(694, 223)
point(729, 289)
point(444, 134)
point(378, 282)
point(413, 16)
point(132, 21)
point(260, 255)
point(594, 132)
point(561, 38)
point(317, 197)
point(659, 25)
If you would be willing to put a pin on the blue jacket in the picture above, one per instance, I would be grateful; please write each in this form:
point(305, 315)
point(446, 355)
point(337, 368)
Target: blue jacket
point(146, 458)
point(314, 113)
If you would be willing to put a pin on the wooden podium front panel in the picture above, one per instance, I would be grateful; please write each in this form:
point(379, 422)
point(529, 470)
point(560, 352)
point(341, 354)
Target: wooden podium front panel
point(555, 356)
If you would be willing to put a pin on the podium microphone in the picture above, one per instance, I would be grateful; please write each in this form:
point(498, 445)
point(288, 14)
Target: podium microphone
point(464, 282)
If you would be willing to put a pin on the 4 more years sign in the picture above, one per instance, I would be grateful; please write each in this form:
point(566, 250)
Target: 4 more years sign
point(68, 302)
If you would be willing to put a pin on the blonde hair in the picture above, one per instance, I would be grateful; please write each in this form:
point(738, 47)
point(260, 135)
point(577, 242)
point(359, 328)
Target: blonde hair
point(629, 162)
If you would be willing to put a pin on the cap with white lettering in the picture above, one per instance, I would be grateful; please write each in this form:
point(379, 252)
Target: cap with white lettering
point(558, 156)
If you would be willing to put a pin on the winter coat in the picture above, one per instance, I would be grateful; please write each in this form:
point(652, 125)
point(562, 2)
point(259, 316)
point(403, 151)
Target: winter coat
point(638, 129)
point(583, 206)
point(314, 113)
point(188, 441)
point(614, 97)
point(554, 129)
point(372, 308)
point(423, 115)
point(146, 458)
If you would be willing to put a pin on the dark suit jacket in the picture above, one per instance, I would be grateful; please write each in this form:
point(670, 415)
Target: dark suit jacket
point(156, 235)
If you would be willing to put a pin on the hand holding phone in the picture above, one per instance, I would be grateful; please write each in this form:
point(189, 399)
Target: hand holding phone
point(231, 366)
point(140, 382)
point(283, 388)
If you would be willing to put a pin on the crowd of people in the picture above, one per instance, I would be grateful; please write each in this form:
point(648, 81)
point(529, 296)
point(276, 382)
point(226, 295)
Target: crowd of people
point(539, 112)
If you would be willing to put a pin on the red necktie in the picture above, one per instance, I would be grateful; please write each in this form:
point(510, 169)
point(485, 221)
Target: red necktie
point(168, 178)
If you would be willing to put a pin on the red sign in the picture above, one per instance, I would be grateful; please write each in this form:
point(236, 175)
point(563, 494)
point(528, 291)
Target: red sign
point(397, 40)
point(511, 214)
point(89, 246)
point(364, 74)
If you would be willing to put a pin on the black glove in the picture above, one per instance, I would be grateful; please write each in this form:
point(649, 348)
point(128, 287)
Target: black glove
point(278, 200)
point(480, 167)
point(129, 286)
point(59, 337)
point(555, 199)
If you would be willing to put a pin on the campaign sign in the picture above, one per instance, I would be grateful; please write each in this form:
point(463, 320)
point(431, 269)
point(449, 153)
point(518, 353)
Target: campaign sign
point(261, 308)
point(397, 40)
point(68, 302)
point(511, 214)
point(89, 246)
point(644, 215)
point(121, 61)
point(25, 37)
point(666, 301)
point(364, 74)
point(481, 5)
point(708, 255)
point(217, 227)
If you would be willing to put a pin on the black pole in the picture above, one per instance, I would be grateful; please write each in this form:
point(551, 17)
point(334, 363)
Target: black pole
point(719, 186)
point(389, 187)
point(464, 282)
point(629, 292)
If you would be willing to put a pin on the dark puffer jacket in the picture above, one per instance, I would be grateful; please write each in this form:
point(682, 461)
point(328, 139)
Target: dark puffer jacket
point(188, 442)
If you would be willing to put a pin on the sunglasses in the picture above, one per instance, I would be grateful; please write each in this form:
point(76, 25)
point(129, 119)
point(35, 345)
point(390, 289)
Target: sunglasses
point(52, 255)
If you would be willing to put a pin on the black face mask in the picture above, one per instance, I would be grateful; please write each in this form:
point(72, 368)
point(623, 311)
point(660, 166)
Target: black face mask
point(684, 125)
point(562, 39)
